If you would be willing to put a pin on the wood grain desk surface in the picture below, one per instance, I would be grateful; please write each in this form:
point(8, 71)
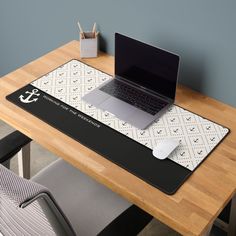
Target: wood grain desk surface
point(195, 205)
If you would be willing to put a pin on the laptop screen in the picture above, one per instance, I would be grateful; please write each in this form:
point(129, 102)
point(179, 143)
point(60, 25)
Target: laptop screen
point(147, 66)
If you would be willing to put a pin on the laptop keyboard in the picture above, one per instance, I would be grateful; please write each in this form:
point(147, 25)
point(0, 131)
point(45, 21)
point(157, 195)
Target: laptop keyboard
point(134, 97)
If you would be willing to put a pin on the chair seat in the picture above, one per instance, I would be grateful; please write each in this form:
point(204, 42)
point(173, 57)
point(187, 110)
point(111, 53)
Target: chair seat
point(88, 214)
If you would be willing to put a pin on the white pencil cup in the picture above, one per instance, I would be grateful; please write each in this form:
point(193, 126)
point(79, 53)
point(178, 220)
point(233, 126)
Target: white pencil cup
point(88, 45)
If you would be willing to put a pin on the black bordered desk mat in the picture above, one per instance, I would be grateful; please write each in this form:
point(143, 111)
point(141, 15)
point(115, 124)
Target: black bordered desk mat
point(166, 175)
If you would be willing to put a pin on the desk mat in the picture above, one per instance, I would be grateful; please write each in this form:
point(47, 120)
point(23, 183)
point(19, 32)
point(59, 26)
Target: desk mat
point(56, 99)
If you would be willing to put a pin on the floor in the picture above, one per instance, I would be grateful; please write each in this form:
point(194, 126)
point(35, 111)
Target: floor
point(40, 158)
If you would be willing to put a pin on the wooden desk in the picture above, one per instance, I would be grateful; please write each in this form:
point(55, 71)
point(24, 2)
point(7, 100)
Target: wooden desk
point(195, 205)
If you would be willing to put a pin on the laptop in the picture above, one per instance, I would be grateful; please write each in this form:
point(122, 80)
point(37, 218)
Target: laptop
point(144, 84)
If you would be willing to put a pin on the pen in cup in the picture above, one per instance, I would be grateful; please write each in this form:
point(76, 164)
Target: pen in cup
point(94, 30)
point(81, 30)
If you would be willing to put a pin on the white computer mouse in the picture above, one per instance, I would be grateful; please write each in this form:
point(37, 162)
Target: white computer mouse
point(164, 148)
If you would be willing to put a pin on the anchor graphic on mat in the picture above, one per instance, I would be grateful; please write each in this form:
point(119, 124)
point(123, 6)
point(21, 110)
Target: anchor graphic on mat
point(27, 99)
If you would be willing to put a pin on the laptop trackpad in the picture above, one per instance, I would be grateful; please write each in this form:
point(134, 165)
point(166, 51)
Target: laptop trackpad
point(119, 108)
point(95, 97)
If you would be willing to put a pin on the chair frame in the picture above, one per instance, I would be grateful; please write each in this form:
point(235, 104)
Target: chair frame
point(17, 142)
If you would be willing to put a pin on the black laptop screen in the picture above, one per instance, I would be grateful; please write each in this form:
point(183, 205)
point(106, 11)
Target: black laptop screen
point(145, 65)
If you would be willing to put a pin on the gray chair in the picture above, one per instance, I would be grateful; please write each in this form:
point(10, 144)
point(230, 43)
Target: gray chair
point(61, 200)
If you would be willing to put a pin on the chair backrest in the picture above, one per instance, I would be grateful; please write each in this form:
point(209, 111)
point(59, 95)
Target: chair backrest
point(27, 208)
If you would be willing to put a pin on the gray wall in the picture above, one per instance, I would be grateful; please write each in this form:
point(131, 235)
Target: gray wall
point(201, 31)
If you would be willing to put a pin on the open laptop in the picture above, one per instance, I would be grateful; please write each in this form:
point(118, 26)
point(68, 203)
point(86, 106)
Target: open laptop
point(144, 84)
